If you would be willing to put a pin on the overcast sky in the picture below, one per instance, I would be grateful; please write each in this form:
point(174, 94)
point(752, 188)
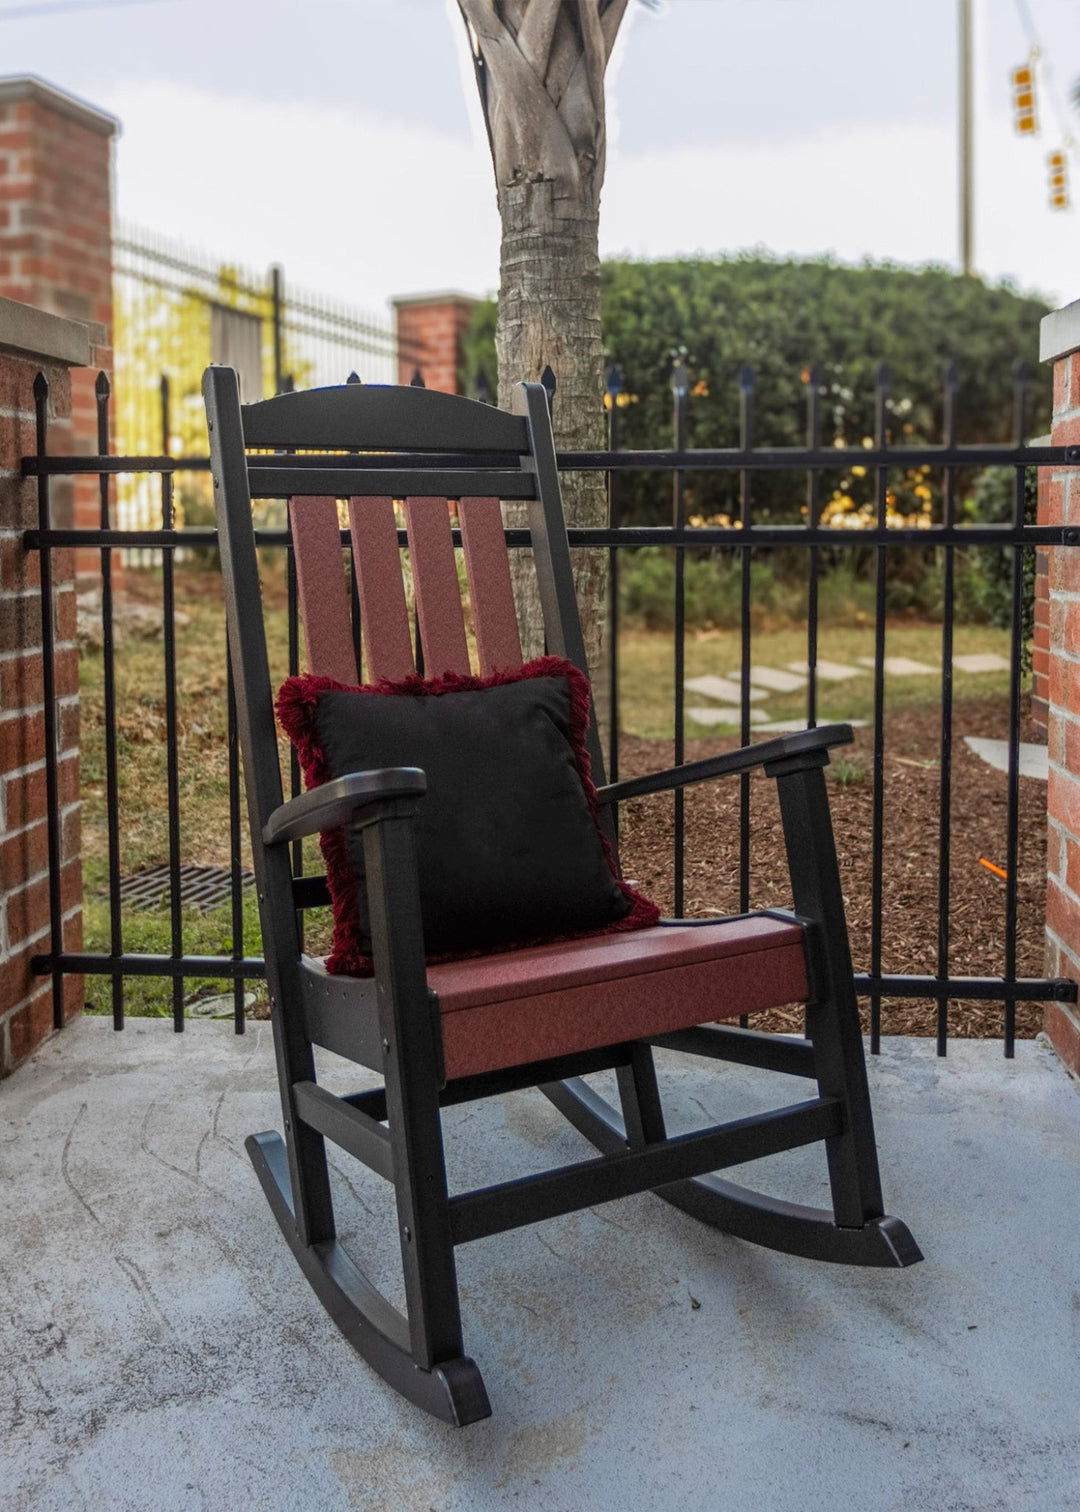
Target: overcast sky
point(341, 138)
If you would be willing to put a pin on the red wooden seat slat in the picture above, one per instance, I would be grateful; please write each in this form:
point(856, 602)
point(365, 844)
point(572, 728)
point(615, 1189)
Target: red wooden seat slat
point(558, 964)
point(435, 583)
point(487, 562)
point(323, 593)
point(384, 614)
point(549, 1000)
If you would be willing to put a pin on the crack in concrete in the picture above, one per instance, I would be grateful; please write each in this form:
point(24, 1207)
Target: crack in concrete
point(65, 1157)
point(144, 1146)
point(144, 1290)
point(566, 1259)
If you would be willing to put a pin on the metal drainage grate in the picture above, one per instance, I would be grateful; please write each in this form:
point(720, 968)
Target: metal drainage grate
point(201, 887)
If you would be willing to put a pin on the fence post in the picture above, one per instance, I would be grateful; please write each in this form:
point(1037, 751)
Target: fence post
point(277, 315)
point(33, 343)
point(1059, 504)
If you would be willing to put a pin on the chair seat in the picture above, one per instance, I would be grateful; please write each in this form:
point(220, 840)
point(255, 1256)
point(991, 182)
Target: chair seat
point(550, 1000)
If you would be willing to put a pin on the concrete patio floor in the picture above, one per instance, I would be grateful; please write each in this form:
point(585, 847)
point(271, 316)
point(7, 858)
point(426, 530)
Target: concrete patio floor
point(159, 1349)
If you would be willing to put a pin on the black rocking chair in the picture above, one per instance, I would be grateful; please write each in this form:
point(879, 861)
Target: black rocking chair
point(544, 1016)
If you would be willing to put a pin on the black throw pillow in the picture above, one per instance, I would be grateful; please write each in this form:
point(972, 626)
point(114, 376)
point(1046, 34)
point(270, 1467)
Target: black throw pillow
point(509, 849)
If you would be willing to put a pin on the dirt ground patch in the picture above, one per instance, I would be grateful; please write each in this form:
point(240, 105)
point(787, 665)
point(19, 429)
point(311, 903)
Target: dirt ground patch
point(911, 857)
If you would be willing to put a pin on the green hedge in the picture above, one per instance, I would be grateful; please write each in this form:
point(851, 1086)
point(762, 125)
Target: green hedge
point(779, 317)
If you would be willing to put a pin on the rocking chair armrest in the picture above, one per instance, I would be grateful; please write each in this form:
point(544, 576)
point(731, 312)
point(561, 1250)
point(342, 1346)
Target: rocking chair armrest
point(337, 802)
point(784, 748)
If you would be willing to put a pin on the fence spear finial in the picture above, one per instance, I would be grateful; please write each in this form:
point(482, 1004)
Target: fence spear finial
point(551, 383)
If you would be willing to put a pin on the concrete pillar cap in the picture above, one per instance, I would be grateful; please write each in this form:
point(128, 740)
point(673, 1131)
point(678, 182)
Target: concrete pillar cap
point(29, 332)
point(16, 88)
point(1059, 333)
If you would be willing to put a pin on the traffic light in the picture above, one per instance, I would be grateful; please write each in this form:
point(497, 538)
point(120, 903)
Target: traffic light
point(1023, 85)
point(1059, 182)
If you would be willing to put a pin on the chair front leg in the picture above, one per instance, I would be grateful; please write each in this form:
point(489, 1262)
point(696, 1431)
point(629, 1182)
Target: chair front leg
point(833, 1012)
point(413, 1070)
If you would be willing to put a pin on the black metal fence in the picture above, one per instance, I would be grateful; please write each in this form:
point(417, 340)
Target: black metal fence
point(741, 537)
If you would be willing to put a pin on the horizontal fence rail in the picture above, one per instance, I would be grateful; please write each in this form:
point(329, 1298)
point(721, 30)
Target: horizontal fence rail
point(627, 535)
point(741, 536)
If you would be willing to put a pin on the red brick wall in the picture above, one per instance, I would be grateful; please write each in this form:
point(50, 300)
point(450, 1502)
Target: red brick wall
point(1057, 673)
point(56, 236)
point(430, 331)
point(26, 1007)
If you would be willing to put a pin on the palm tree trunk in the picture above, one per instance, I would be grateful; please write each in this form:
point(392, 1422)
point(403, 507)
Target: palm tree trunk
point(540, 68)
point(549, 314)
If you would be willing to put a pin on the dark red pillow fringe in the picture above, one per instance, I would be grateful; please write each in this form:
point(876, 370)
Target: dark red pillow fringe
point(297, 703)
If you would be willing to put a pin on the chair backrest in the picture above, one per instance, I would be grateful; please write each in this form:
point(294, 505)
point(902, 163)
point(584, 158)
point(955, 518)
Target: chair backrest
point(325, 607)
point(372, 446)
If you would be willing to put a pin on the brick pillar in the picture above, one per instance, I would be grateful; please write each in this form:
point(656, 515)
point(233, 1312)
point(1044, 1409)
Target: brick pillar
point(32, 342)
point(430, 331)
point(1059, 504)
point(56, 237)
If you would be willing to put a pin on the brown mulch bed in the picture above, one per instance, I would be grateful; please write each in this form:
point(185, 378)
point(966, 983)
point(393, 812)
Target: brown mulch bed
point(911, 858)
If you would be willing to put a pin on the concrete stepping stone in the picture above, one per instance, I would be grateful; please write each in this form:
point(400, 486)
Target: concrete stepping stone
point(728, 716)
point(830, 671)
point(788, 726)
point(719, 687)
point(1034, 759)
point(981, 661)
point(901, 666)
point(775, 680)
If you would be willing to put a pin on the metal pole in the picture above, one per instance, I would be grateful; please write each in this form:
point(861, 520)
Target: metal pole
point(967, 135)
point(277, 296)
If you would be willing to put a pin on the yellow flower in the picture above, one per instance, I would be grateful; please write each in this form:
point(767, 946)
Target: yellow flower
point(858, 472)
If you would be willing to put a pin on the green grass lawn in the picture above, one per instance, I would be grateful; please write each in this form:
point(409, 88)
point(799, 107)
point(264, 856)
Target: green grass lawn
point(646, 693)
point(202, 731)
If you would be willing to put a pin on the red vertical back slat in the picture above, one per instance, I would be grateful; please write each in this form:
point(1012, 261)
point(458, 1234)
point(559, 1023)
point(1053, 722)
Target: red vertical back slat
point(324, 595)
point(435, 582)
point(384, 614)
point(487, 562)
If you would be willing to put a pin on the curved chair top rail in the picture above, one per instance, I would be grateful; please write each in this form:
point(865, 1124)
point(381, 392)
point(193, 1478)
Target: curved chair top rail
point(382, 417)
